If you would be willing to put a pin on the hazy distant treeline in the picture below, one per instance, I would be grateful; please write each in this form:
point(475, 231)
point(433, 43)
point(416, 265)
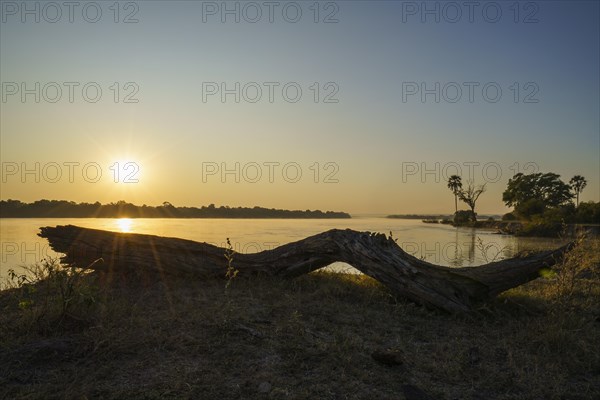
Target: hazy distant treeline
point(419, 216)
point(122, 209)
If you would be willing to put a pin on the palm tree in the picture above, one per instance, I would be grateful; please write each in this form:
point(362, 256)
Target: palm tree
point(577, 183)
point(455, 185)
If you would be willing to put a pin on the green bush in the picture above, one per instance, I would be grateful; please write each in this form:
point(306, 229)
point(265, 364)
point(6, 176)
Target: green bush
point(530, 208)
point(509, 217)
point(558, 215)
point(464, 217)
point(542, 229)
point(588, 213)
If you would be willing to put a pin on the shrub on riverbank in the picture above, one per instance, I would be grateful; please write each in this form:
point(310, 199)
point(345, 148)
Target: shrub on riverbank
point(552, 221)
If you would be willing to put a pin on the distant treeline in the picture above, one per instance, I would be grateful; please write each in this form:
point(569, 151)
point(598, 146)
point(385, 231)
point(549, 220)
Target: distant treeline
point(122, 209)
point(418, 216)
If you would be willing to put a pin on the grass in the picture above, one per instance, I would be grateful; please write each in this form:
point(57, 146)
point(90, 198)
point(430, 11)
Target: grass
point(311, 337)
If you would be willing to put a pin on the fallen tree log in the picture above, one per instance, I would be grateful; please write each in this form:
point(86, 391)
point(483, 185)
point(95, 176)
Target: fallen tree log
point(376, 255)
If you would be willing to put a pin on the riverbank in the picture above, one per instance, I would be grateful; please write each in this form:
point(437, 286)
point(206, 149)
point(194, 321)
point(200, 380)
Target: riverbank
point(319, 336)
point(531, 229)
point(525, 229)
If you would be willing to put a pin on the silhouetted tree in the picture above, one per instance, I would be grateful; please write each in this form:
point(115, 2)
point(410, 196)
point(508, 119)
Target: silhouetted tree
point(536, 192)
point(455, 185)
point(578, 183)
point(470, 195)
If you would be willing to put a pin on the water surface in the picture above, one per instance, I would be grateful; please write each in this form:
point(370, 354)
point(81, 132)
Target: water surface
point(439, 244)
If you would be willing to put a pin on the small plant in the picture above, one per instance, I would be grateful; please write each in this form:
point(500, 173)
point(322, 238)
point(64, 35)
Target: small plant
point(231, 272)
point(574, 265)
point(24, 283)
point(49, 292)
point(16, 280)
point(484, 250)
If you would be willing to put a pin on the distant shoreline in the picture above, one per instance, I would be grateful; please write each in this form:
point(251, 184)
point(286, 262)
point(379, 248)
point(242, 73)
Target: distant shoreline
point(523, 228)
point(122, 209)
point(418, 216)
point(433, 216)
point(128, 217)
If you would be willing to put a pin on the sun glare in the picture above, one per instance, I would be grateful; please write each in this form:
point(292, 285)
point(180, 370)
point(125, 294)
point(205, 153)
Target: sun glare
point(125, 171)
point(124, 224)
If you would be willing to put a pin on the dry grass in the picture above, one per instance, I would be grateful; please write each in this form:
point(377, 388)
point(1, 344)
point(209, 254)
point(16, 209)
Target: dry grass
point(311, 337)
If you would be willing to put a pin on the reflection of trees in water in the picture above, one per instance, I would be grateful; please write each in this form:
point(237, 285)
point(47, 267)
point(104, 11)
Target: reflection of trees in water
point(471, 247)
point(534, 244)
point(464, 250)
point(471, 250)
point(457, 260)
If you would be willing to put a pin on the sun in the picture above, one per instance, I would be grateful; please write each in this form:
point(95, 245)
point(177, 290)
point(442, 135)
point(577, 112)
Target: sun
point(124, 224)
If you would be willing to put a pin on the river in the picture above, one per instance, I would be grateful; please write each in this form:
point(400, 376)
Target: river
point(439, 244)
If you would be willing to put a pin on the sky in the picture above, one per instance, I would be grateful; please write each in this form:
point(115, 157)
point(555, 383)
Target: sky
point(357, 106)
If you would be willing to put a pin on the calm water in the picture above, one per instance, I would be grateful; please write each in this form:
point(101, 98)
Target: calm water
point(439, 244)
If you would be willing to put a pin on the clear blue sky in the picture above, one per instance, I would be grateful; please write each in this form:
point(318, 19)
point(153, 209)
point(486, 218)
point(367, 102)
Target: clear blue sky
point(376, 50)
